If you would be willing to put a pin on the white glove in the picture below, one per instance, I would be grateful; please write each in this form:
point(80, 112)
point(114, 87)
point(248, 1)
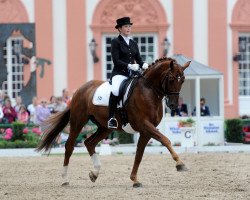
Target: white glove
point(145, 66)
point(133, 67)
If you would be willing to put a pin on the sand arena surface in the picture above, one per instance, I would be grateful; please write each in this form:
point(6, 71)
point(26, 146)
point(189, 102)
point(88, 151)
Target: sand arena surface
point(211, 176)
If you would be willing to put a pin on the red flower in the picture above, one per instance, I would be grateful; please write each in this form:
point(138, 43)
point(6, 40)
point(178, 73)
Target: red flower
point(7, 137)
point(25, 130)
point(36, 131)
point(8, 134)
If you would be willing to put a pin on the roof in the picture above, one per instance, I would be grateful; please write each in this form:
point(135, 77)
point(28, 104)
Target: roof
point(195, 68)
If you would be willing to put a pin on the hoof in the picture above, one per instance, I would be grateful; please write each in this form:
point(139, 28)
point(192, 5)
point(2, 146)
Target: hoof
point(65, 184)
point(181, 168)
point(137, 185)
point(92, 176)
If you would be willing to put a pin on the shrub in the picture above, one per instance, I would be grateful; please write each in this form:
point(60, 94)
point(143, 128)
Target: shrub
point(233, 130)
point(124, 138)
point(17, 144)
point(31, 137)
point(18, 135)
point(18, 131)
point(3, 144)
point(245, 122)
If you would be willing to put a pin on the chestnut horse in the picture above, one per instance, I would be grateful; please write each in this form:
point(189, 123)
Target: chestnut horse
point(163, 78)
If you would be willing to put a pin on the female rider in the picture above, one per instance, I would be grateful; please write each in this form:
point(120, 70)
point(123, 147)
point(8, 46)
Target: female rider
point(126, 57)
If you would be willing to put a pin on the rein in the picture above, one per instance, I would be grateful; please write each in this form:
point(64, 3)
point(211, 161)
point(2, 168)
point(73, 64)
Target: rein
point(157, 92)
point(163, 91)
point(166, 78)
point(160, 93)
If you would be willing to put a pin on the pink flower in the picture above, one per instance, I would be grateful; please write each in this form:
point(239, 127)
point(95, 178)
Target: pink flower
point(36, 131)
point(7, 137)
point(25, 130)
point(9, 132)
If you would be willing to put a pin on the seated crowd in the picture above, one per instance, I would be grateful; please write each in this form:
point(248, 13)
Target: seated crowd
point(35, 113)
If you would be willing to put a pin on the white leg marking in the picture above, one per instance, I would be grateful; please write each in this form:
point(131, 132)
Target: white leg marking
point(65, 172)
point(96, 163)
point(65, 175)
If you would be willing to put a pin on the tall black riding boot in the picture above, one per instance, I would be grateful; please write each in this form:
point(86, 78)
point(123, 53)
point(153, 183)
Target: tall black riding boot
point(112, 122)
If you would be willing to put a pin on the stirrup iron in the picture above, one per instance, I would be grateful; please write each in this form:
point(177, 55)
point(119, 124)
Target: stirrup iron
point(113, 123)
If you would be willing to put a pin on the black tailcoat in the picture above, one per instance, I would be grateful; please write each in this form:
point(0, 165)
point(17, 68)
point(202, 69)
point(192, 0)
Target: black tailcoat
point(124, 54)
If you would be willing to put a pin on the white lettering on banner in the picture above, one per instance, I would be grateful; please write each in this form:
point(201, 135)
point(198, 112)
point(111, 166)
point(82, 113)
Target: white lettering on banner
point(211, 128)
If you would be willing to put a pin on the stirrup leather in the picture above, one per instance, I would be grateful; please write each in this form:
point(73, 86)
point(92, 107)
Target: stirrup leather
point(112, 123)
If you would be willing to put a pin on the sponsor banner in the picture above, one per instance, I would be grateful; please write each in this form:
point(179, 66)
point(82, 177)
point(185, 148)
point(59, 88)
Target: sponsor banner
point(213, 127)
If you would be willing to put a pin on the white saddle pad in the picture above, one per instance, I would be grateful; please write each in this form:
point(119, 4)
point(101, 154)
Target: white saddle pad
point(102, 93)
point(101, 98)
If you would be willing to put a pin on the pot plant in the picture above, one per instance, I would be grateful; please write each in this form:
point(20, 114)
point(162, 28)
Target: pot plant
point(187, 123)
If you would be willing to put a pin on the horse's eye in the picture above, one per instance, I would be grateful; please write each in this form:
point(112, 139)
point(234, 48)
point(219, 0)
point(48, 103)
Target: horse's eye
point(183, 79)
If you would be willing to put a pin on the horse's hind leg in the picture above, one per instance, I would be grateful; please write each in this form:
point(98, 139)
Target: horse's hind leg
point(90, 144)
point(69, 147)
point(142, 142)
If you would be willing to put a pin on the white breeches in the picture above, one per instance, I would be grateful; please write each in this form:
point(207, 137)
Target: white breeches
point(116, 82)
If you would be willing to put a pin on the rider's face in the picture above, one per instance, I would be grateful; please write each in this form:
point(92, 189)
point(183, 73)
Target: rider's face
point(125, 30)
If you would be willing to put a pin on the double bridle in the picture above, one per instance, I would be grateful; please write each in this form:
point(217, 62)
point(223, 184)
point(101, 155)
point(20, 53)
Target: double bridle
point(163, 92)
point(165, 81)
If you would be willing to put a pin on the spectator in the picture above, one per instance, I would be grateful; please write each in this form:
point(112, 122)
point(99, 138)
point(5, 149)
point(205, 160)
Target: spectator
point(1, 113)
point(181, 110)
point(23, 115)
point(18, 103)
point(42, 112)
point(52, 104)
point(60, 105)
point(69, 100)
point(204, 109)
point(2, 97)
point(65, 95)
point(32, 110)
point(9, 112)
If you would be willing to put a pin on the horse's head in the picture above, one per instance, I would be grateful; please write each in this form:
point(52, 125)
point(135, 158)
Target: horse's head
point(172, 80)
point(168, 77)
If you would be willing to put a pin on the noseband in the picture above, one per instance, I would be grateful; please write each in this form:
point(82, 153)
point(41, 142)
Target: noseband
point(163, 92)
point(165, 81)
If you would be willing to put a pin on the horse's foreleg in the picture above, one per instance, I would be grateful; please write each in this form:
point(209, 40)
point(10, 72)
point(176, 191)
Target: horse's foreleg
point(142, 142)
point(90, 144)
point(157, 135)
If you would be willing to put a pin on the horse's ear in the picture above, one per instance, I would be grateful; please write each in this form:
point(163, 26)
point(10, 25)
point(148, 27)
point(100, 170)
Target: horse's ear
point(171, 64)
point(186, 65)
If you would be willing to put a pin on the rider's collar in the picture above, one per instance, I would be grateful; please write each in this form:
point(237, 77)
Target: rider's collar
point(126, 38)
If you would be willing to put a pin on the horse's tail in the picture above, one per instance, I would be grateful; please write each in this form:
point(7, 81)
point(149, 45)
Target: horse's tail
point(53, 126)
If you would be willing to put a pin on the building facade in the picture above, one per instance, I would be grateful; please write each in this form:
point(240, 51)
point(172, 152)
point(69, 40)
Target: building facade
point(45, 44)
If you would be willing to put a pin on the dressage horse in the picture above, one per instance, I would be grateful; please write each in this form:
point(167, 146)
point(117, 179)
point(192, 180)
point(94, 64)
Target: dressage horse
point(164, 78)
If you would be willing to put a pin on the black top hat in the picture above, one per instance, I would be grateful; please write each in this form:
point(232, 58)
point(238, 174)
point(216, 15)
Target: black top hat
point(122, 21)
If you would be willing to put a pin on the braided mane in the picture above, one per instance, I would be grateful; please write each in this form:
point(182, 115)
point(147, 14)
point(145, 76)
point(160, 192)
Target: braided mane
point(163, 59)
